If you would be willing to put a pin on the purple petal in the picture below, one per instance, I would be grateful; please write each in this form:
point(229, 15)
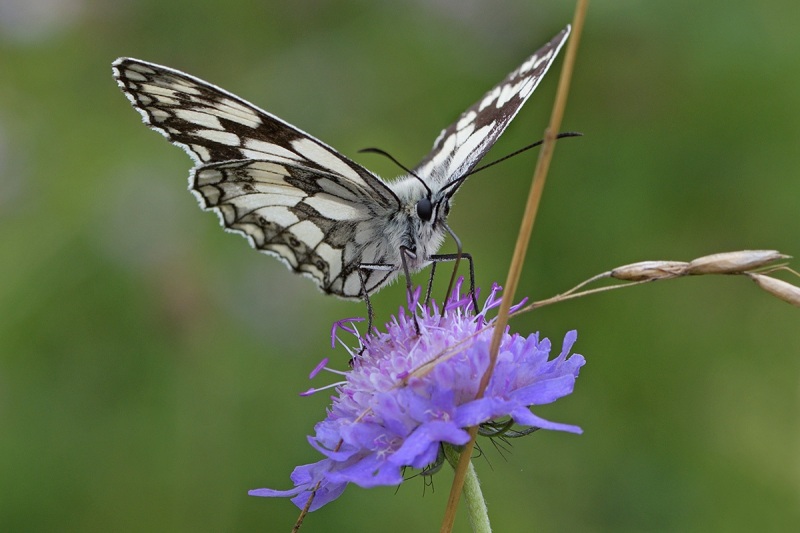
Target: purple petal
point(420, 448)
point(545, 391)
point(369, 472)
point(306, 478)
point(526, 418)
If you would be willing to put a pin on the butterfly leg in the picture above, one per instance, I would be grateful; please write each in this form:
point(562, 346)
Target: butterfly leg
point(456, 257)
point(365, 271)
point(365, 294)
point(405, 254)
point(429, 291)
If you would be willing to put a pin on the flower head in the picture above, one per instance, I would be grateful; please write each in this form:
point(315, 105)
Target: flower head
point(408, 394)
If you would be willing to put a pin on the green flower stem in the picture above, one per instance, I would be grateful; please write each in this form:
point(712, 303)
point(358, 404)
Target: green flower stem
point(476, 505)
point(473, 496)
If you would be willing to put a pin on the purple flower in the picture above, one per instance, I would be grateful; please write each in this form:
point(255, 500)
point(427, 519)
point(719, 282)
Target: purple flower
point(409, 394)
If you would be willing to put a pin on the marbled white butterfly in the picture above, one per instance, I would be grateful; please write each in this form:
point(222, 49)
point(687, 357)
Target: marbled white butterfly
point(296, 198)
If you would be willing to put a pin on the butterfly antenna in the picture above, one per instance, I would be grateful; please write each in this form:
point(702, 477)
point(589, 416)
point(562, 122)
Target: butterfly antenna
point(456, 183)
point(524, 149)
point(398, 163)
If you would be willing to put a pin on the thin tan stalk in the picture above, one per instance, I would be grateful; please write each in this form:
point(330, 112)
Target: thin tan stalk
point(526, 227)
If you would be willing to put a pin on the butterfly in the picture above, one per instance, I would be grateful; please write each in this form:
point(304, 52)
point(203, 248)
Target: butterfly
point(296, 198)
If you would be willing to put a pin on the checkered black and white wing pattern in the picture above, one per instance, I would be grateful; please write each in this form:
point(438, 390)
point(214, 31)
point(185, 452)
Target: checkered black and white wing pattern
point(290, 194)
point(320, 225)
point(460, 146)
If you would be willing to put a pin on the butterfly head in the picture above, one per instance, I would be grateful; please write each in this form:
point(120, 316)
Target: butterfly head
point(433, 207)
point(425, 209)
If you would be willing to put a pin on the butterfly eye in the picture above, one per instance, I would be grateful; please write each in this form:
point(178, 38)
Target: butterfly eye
point(425, 209)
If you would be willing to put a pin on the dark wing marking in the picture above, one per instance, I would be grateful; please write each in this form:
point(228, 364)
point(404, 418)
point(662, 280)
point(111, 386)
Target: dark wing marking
point(213, 125)
point(319, 225)
point(462, 144)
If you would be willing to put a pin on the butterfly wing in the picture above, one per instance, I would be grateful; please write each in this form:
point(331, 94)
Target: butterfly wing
point(318, 224)
point(213, 125)
point(460, 146)
point(290, 194)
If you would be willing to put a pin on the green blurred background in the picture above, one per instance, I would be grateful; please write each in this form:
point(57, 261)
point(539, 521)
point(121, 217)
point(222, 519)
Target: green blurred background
point(150, 363)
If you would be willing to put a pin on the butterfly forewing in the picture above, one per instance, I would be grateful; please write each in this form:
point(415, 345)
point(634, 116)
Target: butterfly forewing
point(460, 146)
point(213, 125)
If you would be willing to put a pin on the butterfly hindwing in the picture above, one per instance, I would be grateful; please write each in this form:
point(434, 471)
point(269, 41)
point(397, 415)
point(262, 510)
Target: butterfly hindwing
point(318, 226)
point(461, 145)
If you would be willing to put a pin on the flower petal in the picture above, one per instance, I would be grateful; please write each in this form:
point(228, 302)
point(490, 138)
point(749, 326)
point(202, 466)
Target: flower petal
point(420, 448)
point(525, 417)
